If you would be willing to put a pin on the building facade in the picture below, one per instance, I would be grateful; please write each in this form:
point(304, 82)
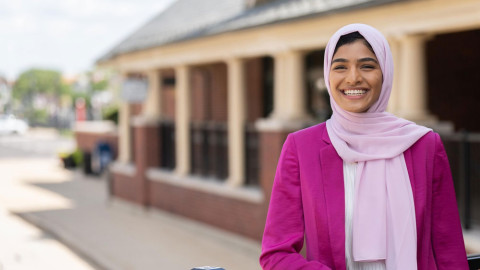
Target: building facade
point(228, 80)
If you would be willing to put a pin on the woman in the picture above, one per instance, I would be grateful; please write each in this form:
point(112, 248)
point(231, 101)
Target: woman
point(366, 190)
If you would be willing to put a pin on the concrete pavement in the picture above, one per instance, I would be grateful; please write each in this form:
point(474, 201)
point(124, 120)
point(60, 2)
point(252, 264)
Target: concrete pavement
point(112, 234)
point(25, 247)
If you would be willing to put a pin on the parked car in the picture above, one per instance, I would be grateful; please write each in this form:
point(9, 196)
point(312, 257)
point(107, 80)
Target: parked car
point(9, 124)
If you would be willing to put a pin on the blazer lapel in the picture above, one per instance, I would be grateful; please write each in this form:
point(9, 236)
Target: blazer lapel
point(333, 186)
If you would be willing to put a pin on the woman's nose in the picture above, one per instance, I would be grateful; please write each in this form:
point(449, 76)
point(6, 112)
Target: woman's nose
point(353, 76)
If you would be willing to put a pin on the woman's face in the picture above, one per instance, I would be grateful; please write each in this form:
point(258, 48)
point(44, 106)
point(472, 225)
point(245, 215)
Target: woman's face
point(355, 77)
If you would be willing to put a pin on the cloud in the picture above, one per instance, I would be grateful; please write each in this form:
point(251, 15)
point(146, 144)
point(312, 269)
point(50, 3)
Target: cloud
point(67, 34)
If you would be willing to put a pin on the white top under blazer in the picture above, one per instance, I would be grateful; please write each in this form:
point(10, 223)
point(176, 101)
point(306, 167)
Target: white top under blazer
point(349, 170)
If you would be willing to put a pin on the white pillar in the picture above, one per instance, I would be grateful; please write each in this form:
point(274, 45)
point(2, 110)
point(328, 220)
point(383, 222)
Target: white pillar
point(289, 106)
point(278, 86)
point(294, 92)
point(394, 102)
point(152, 103)
point(413, 92)
point(182, 118)
point(124, 149)
point(236, 122)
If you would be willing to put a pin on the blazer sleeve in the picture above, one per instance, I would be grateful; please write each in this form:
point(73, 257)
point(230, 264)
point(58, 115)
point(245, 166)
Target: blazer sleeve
point(447, 237)
point(284, 229)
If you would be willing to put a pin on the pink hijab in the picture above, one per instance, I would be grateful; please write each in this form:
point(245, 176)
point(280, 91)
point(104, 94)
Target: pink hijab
point(384, 225)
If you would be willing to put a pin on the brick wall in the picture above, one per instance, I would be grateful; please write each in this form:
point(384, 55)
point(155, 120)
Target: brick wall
point(125, 187)
point(270, 148)
point(219, 94)
point(235, 215)
point(200, 96)
point(254, 89)
point(209, 93)
point(231, 214)
point(146, 152)
point(240, 216)
point(168, 94)
point(243, 217)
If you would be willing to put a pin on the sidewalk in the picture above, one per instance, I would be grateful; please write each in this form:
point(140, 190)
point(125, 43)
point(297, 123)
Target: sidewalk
point(116, 235)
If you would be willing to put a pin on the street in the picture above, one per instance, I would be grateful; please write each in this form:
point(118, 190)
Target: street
point(39, 143)
point(25, 163)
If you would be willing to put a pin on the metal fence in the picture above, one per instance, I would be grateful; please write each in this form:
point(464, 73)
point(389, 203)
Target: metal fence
point(252, 158)
point(209, 150)
point(132, 144)
point(463, 150)
point(167, 145)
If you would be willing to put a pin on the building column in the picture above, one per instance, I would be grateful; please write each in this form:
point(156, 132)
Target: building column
point(394, 102)
point(124, 149)
point(182, 121)
point(289, 108)
point(294, 92)
point(413, 92)
point(152, 103)
point(236, 122)
point(278, 86)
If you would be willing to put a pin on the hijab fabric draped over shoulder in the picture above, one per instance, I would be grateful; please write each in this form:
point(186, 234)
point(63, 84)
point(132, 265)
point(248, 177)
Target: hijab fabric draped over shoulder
point(384, 225)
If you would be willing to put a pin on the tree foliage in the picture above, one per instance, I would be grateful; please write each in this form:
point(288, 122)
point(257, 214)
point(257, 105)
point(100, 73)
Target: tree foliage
point(100, 85)
point(39, 81)
point(35, 85)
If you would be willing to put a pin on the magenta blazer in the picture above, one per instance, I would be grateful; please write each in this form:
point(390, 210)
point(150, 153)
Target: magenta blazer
point(308, 201)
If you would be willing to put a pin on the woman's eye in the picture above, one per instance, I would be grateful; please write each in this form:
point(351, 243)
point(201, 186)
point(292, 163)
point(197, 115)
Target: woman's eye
point(339, 67)
point(368, 67)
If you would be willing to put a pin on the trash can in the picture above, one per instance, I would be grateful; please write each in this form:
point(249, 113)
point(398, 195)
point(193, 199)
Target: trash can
point(102, 156)
point(87, 163)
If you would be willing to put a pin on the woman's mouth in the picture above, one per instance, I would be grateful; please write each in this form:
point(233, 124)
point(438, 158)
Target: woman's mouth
point(354, 92)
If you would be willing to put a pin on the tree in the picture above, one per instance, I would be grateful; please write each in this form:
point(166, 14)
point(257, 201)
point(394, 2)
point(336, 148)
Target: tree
point(39, 85)
point(39, 81)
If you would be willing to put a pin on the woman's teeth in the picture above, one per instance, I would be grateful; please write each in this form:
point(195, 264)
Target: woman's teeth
point(354, 92)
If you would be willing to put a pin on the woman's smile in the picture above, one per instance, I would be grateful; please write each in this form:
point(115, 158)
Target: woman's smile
point(354, 93)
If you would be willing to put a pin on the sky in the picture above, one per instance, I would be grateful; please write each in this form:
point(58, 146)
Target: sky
point(66, 35)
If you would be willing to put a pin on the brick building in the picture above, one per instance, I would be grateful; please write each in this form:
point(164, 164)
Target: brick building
point(228, 80)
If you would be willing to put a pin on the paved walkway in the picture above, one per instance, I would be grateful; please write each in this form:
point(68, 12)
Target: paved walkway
point(113, 234)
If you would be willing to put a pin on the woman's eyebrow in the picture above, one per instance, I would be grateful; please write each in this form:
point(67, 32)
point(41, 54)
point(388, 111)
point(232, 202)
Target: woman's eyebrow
point(367, 59)
point(343, 60)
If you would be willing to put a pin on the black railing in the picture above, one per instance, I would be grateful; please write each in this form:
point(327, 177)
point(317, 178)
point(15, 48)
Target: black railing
point(132, 144)
point(167, 144)
point(209, 150)
point(252, 158)
point(474, 262)
point(463, 150)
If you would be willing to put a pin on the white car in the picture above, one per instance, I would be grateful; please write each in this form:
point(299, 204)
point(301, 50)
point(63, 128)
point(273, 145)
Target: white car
point(9, 124)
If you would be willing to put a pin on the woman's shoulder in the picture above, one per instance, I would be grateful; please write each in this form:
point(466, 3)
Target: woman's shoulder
point(312, 131)
point(430, 137)
point(429, 143)
point(310, 137)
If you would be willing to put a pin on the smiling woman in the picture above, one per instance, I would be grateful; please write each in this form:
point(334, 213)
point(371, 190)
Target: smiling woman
point(366, 189)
